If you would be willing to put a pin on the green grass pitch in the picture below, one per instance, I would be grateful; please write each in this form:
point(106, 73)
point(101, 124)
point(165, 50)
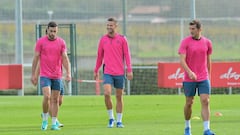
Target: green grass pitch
point(143, 115)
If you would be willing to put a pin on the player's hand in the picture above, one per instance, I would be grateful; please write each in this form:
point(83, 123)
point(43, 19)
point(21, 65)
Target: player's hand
point(192, 75)
point(96, 76)
point(34, 80)
point(129, 75)
point(68, 77)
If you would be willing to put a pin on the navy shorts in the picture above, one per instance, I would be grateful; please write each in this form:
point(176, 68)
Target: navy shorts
point(116, 80)
point(54, 84)
point(190, 88)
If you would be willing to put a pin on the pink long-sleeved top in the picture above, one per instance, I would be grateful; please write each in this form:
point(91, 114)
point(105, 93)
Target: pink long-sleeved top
point(113, 52)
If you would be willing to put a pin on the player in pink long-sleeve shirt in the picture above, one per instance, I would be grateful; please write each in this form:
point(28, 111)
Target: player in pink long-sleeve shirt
point(195, 51)
point(114, 52)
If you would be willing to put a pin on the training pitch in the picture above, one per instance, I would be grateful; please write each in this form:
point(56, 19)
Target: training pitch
point(143, 115)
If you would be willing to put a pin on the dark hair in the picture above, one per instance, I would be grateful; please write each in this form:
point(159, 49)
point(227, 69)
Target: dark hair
point(111, 19)
point(52, 24)
point(197, 23)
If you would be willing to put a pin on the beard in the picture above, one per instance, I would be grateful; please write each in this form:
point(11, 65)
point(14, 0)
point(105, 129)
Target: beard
point(51, 37)
point(110, 31)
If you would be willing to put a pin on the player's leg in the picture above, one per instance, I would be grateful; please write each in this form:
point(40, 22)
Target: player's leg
point(56, 86)
point(54, 108)
point(187, 114)
point(60, 100)
point(119, 85)
point(189, 91)
point(46, 90)
point(59, 124)
point(119, 98)
point(119, 107)
point(108, 104)
point(61, 93)
point(107, 98)
point(204, 91)
point(46, 101)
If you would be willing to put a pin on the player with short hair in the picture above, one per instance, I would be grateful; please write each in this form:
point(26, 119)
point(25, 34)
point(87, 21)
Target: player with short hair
point(114, 52)
point(195, 51)
point(51, 53)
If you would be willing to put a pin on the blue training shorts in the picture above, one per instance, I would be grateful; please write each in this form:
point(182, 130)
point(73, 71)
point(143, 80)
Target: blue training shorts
point(190, 88)
point(54, 84)
point(117, 81)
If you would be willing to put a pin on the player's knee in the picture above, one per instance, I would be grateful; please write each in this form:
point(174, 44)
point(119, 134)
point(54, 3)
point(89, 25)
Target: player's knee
point(189, 103)
point(107, 93)
point(47, 97)
point(205, 101)
point(119, 95)
point(54, 100)
point(107, 96)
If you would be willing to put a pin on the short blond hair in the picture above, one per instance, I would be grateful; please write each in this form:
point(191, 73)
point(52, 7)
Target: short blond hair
point(111, 19)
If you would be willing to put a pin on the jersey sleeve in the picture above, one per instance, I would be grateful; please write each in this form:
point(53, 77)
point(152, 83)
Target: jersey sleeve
point(127, 54)
point(64, 46)
point(182, 47)
point(100, 54)
point(209, 52)
point(38, 45)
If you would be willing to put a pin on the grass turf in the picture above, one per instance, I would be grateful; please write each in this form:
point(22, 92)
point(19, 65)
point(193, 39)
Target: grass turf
point(143, 115)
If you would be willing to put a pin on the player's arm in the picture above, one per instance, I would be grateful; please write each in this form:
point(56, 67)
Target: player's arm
point(99, 60)
point(37, 72)
point(127, 56)
point(34, 68)
point(66, 65)
point(184, 65)
point(209, 61)
point(209, 65)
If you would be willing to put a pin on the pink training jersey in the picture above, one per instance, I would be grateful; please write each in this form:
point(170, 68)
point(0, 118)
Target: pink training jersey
point(51, 56)
point(196, 52)
point(113, 51)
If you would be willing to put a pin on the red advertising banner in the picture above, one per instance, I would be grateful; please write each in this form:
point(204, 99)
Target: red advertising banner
point(11, 77)
point(223, 74)
point(170, 75)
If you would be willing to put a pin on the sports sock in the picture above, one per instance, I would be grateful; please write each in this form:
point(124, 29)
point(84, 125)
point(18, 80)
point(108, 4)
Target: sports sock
point(110, 114)
point(187, 123)
point(206, 125)
point(54, 119)
point(119, 117)
point(45, 116)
